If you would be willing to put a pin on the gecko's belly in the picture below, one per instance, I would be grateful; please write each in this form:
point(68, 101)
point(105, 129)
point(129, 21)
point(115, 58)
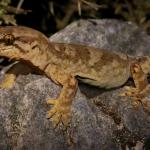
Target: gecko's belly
point(109, 79)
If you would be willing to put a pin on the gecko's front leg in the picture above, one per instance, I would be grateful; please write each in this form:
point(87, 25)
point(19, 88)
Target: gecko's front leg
point(12, 73)
point(61, 111)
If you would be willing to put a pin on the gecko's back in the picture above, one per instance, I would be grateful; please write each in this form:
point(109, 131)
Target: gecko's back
point(92, 65)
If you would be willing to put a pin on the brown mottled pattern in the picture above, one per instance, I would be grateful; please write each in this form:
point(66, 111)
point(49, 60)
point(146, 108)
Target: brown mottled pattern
point(96, 66)
point(82, 53)
point(70, 52)
point(96, 70)
point(145, 64)
point(108, 59)
point(138, 75)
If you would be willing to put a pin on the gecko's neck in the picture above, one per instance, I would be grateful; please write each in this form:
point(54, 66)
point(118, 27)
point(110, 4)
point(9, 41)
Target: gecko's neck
point(39, 60)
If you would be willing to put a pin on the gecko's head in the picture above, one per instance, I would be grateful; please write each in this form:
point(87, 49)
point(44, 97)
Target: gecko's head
point(11, 46)
point(17, 42)
point(7, 47)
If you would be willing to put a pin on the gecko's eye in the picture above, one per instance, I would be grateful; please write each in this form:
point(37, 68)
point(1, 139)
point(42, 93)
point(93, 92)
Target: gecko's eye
point(9, 39)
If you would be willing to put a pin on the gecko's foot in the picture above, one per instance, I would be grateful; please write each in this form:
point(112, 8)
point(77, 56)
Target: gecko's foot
point(60, 113)
point(136, 95)
point(134, 92)
point(5, 85)
point(8, 82)
point(129, 91)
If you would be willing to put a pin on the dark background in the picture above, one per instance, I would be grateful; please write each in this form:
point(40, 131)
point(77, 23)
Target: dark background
point(50, 16)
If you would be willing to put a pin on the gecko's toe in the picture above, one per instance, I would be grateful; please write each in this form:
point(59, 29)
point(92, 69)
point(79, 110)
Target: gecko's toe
point(59, 114)
point(51, 113)
point(51, 101)
point(66, 119)
point(5, 86)
point(8, 81)
point(58, 117)
point(129, 91)
point(56, 120)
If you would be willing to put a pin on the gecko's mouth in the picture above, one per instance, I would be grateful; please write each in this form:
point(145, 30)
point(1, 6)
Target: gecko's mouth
point(5, 48)
point(4, 61)
point(7, 64)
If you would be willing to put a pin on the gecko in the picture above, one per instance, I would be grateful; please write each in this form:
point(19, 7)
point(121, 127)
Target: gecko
point(65, 64)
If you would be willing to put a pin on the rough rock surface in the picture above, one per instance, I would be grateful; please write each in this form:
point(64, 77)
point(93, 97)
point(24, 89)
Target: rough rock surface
point(101, 119)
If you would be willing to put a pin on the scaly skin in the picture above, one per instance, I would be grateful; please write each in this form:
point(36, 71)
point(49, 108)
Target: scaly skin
point(63, 62)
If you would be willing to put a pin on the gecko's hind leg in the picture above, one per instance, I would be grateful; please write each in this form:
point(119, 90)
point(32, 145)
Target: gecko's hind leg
point(141, 89)
point(140, 81)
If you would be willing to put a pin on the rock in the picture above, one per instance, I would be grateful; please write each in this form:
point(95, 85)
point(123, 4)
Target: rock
point(23, 110)
point(114, 35)
point(101, 119)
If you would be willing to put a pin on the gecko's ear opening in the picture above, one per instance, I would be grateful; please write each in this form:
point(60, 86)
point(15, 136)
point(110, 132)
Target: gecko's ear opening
point(9, 39)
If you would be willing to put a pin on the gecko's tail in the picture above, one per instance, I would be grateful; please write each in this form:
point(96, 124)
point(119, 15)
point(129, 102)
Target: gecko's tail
point(145, 63)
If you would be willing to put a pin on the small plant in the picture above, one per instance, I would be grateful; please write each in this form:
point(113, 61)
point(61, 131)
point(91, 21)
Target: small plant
point(6, 14)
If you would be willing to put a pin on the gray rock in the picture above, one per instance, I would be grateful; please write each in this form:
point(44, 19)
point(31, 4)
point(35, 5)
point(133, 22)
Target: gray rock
point(101, 119)
point(23, 122)
point(114, 35)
